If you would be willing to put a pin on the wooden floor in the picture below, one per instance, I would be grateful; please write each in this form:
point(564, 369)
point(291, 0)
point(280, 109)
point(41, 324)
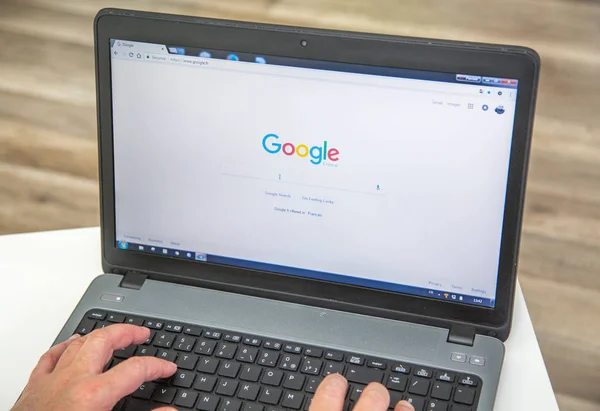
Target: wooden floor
point(48, 137)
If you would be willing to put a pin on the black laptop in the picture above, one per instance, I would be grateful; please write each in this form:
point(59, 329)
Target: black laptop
point(283, 203)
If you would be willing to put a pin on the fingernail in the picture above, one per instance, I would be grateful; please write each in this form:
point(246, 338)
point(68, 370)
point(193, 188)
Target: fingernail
point(406, 406)
point(337, 380)
point(74, 337)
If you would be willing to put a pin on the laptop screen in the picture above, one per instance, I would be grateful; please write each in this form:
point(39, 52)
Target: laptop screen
point(377, 177)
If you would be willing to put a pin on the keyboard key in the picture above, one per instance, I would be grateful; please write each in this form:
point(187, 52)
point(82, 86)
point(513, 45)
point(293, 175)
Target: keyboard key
point(164, 340)
point(355, 359)
point(292, 400)
point(150, 339)
point(250, 373)
point(248, 391)
point(417, 402)
point(205, 347)
point(255, 342)
point(361, 375)
point(208, 365)
point(423, 372)
point(401, 368)
point(115, 318)
point(313, 384)
point(253, 407)
point(183, 379)
point(185, 343)
point(97, 315)
point(205, 383)
point(213, 335)
point(397, 382)
point(119, 406)
point(125, 352)
point(193, 331)
point(294, 382)
point(146, 351)
point(310, 366)
point(207, 402)
point(467, 380)
point(307, 403)
point(464, 395)
point(247, 354)
point(441, 391)
point(225, 350)
point(291, 348)
point(313, 352)
point(230, 404)
point(164, 395)
point(229, 369)
point(376, 364)
point(290, 362)
point(272, 345)
point(166, 355)
point(85, 327)
point(227, 387)
point(335, 356)
point(435, 405)
point(134, 321)
point(139, 405)
point(174, 328)
point(155, 325)
point(268, 358)
point(232, 338)
point(395, 398)
point(458, 407)
point(446, 376)
point(187, 361)
point(356, 391)
point(144, 391)
point(272, 377)
point(333, 368)
point(419, 386)
point(186, 399)
point(270, 396)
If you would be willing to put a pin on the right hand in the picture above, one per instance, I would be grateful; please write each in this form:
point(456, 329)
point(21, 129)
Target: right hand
point(332, 391)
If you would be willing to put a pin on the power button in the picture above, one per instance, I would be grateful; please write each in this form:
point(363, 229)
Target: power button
point(113, 298)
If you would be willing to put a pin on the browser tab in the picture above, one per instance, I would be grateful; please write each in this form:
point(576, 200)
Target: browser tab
point(468, 78)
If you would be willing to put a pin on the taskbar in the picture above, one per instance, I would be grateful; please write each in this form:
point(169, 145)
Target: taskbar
point(255, 265)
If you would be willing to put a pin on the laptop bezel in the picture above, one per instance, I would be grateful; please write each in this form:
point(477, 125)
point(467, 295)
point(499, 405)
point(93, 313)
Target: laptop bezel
point(390, 51)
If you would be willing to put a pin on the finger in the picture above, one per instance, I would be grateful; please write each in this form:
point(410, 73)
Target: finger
point(50, 358)
point(404, 406)
point(100, 344)
point(330, 395)
point(126, 377)
point(165, 409)
point(373, 398)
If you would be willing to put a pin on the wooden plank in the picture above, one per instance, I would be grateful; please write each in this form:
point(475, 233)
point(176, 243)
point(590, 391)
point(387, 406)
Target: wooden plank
point(564, 316)
point(570, 403)
point(27, 145)
point(34, 200)
point(47, 69)
point(71, 119)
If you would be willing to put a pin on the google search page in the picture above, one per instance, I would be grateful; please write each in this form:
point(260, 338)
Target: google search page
point(383, 180)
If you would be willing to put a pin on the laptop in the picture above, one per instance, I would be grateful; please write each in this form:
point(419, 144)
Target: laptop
point(283, 203)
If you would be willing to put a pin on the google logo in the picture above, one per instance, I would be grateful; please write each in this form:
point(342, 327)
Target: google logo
point(317, 153)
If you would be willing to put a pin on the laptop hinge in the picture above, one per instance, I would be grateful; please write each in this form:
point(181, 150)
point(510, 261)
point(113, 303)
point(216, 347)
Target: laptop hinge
point(133, 280)
point(462, 334)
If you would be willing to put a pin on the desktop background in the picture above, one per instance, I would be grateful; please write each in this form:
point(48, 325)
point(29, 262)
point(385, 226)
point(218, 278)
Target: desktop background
point(48, 173)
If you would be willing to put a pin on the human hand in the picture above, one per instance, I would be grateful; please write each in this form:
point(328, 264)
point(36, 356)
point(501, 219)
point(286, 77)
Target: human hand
point(332, 391)
point(69, 376)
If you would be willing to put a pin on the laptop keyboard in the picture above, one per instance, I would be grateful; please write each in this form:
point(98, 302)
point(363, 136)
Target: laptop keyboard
point(220, 370)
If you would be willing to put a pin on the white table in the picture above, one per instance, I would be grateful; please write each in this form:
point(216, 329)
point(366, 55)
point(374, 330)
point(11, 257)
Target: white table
point(43, 275)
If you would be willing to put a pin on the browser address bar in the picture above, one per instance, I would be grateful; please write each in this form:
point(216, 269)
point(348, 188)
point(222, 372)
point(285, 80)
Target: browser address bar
point(314, 74)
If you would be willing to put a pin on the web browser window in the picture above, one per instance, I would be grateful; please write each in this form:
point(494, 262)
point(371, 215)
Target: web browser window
point(394, 180)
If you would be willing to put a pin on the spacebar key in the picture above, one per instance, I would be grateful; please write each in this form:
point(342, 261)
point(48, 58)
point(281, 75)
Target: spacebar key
point(363, 375)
